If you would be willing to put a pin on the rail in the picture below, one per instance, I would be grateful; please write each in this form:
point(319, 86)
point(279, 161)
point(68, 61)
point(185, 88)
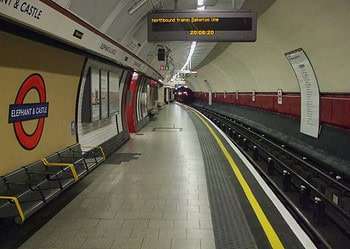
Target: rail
point(295, 171)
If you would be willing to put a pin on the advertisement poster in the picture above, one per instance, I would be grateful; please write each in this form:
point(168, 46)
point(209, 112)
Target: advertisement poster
point(104, 95)
point(114, 79)
point(95, 94)
point(144, 104)
point(309, 91)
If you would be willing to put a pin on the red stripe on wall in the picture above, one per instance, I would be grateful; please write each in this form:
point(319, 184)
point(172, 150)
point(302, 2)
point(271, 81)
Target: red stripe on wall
point(334, 108)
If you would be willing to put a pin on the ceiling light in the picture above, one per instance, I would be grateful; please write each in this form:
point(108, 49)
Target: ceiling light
point(200, 4)
point(193, 47)
point(135, 76)
point(137, 6)
point(186, 71)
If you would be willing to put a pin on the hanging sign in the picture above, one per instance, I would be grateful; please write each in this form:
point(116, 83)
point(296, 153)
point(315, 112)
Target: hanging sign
point(309, 90)
point(205, 26)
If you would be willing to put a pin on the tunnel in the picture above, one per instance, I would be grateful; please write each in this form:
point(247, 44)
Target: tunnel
point(174, 124)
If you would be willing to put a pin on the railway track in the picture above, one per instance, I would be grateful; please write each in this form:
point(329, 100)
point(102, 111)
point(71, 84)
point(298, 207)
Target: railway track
point(318, 196)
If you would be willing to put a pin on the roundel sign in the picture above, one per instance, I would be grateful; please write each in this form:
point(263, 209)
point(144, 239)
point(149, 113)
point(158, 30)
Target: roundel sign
point(20, 112)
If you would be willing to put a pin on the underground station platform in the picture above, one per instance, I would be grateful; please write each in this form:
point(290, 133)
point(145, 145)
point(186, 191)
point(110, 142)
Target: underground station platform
point(179, 183)
point(174, 124)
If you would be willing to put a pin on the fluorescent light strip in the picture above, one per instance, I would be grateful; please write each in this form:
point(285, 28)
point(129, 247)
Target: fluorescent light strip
point(201, 6)
point(137, 6)
point(193, 47)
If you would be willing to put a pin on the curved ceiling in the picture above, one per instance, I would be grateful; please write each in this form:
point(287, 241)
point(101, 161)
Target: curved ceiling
point(113, 18)
point(318, 26)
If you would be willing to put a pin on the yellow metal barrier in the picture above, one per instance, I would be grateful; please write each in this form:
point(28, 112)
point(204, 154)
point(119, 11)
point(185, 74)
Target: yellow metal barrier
point(103, 153)
point(48, 164)
point(18, 205)
point(63, 165)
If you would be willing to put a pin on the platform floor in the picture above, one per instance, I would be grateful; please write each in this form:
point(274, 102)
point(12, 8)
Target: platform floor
point(173, 186)
point(151, 194)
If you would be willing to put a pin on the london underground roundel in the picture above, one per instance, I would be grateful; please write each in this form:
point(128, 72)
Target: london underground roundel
point(20, 112)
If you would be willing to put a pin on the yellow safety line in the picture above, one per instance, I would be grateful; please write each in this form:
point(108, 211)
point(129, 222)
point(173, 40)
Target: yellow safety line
point(18, 205)
point(63, 165)
point(271, 234)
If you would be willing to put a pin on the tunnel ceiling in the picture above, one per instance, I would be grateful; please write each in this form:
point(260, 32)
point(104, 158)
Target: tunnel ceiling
point(113, 18)
point(318, 26)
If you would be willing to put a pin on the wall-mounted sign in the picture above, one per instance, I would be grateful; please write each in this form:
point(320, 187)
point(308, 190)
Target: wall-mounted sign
point(78, 34)
point(309, 90)
point(209, 26)
point(210, 98)
point(43, 16)
point(24, 8)
point(253, 96)
point(20, 112)
point(25, 112)
point(280, 96)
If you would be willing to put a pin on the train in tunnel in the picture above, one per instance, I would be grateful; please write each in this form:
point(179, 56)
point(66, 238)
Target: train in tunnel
point(184, 94)
point(189, 117)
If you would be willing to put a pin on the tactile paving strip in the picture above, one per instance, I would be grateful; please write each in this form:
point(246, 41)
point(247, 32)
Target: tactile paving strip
point(230, 225)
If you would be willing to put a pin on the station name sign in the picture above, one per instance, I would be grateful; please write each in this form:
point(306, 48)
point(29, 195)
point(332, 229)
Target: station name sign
point(25, 112)
point(206, 26)
point(24, 7)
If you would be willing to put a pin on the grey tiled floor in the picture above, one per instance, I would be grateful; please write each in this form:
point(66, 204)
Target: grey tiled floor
point(158, 201)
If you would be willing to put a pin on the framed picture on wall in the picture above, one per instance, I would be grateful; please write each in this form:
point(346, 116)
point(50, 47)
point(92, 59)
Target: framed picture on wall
point(114, 79)
point(101, 97)
point(104, 94)
point(95, 95)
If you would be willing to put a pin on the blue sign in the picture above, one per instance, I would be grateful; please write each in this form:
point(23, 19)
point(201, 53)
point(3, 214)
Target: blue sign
point(25, 112)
